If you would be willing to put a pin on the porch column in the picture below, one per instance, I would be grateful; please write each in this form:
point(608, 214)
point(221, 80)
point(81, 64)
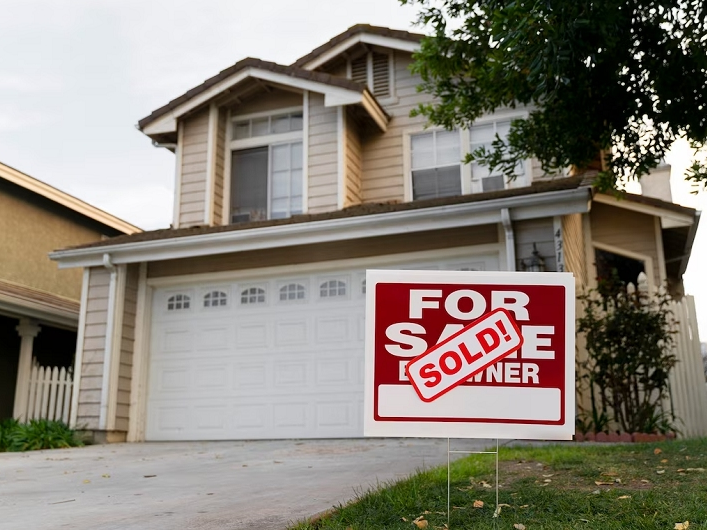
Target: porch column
point(27, 330)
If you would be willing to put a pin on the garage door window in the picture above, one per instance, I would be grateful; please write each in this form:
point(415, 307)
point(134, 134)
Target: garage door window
point(253, 295)
point(178, 302)
point(215, 299)
point(332, 289)
point(292, 291)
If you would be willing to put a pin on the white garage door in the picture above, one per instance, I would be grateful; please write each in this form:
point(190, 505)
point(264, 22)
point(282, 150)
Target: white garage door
point(267, 358)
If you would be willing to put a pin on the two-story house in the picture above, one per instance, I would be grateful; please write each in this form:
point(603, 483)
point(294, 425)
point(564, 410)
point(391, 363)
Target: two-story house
point(245, 319)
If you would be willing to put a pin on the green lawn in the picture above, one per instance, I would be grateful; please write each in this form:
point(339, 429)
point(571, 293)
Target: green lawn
point(568, 486)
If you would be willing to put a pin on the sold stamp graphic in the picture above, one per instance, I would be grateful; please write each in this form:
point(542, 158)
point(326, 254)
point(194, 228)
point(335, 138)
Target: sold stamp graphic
point(471, 350)
point(468, 354)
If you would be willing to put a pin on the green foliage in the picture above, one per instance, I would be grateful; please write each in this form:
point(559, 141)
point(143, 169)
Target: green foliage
point(37, 434)
point(618, 77)
point(628, 338)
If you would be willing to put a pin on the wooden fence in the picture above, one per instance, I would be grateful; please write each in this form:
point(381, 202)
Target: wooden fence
point(688, 390)
point(49, 393)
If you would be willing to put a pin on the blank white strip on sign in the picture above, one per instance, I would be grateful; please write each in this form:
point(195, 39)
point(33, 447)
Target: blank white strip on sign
point(472, 402)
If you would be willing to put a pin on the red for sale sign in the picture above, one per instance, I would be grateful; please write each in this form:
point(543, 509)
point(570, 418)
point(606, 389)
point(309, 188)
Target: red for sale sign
point(469, 354)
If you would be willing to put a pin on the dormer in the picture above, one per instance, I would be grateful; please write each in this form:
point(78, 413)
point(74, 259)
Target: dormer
point(263, 141)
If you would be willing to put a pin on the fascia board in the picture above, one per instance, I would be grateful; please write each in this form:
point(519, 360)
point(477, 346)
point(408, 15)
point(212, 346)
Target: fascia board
point(333, 95)
point(27, 308)
point(374, 111)
point(69, 201)
point(367, 38)
point(424, 219)
point(668, 219)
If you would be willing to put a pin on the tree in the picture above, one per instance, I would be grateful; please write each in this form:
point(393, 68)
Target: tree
point(620, 79)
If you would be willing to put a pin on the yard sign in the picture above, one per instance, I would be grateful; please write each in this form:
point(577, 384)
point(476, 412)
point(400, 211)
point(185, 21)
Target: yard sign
point(469, 354)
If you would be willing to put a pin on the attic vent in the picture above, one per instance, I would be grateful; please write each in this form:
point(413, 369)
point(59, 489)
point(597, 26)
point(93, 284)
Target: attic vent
point(381, 75)
point(372, 69)
point(359, 70)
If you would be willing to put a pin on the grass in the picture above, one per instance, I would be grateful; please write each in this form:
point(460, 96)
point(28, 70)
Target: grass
point(569, 486)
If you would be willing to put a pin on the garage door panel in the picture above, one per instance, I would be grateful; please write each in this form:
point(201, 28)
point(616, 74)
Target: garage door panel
point(269, 358)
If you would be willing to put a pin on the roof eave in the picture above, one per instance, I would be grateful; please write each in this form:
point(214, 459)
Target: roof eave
point(333, 96)
point(521, 207)
point(69, 201)
point(365, 38)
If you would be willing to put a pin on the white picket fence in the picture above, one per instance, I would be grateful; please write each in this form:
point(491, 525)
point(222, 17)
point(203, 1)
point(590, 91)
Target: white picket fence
point(49, 393)
point(688, 390)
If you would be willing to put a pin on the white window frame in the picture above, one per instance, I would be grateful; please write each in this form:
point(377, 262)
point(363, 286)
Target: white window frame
point(502, 115)
point(269, 141)
point(468, 185)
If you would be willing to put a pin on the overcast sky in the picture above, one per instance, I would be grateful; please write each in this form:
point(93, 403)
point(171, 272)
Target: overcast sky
point(77, 75)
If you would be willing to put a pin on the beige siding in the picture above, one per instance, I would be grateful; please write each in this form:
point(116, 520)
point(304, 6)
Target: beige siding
point(360, 248)
point(352, 161)
point(382, 153)
point(127, 341)
point(626, 230)
point(30, 228)
point(539, 232)
point(573, 241)
point(269, 101)
point(93, 349)
point(220, 163)
point(323, 156)
point(194, 170)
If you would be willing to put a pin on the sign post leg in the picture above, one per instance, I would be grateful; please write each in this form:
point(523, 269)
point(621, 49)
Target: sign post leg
point(497, 511)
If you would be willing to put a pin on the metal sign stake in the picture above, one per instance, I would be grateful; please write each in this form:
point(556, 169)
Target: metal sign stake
point(497, 510)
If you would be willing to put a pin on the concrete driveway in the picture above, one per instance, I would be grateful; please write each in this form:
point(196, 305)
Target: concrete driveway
point(201, 485)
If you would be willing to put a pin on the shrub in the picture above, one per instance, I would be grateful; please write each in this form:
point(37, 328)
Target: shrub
point(36, 434)
point(629, 344)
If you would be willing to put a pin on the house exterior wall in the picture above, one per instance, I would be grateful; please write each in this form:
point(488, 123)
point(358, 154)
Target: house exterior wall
point(539, 232)
point(31, 227)
point(352, 161)
point(94, 345)
point(625, 230)
point(127, 347)
point(323, 156)
point(195, 139)
point(382, 153)
point(573, 242)
point(220, 167)
point(419, 241)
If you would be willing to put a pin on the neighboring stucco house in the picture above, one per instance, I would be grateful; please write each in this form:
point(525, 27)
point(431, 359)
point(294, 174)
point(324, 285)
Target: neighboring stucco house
point(245, 320)
point(39, 304)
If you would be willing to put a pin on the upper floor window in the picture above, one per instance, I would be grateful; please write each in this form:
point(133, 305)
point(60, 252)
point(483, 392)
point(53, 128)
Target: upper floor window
point(267, 125)
point(436, 164)
point(483, 135)
point(373, 69)
point(266, 167)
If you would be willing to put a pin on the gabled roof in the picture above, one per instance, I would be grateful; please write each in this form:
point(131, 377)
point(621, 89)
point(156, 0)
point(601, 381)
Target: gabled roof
point(18, 178)
point(337, 91)
point(375, 35)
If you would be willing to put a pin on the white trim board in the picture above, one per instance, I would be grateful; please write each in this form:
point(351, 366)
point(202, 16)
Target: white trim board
point(668, 218)
point(366, 38)
point(45, 190)
point(458, 215)
point(333, 96)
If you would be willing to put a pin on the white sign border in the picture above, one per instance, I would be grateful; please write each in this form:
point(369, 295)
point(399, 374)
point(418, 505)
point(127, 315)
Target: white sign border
point(372, 427)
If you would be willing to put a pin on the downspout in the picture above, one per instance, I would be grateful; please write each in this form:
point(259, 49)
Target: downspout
point(108, 351)
point(510, 239)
